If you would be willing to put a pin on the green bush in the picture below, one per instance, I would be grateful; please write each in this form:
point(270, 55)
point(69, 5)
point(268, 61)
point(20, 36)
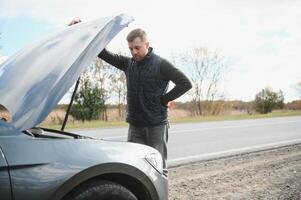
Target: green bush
point(267, 100)
point(89, 101)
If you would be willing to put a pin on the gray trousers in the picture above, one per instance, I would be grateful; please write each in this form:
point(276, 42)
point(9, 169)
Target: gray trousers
point(154, 136)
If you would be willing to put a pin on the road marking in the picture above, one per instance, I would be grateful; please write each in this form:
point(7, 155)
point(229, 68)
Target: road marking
point(220, 154)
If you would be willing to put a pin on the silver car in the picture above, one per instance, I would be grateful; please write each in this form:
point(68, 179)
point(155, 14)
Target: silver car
point(38, 163)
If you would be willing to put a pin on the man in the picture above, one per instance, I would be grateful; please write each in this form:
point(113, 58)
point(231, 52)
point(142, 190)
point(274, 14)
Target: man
point(147, 76)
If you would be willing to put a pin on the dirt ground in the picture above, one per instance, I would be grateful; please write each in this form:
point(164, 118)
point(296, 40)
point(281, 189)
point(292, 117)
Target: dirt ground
point(271, 174)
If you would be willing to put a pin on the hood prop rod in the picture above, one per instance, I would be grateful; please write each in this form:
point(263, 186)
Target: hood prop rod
point(70, 104)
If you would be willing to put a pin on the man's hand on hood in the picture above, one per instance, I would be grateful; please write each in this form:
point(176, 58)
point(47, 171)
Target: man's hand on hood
point(75, 21)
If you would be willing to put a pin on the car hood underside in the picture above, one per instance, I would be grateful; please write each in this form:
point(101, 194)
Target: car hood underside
point(33, 81)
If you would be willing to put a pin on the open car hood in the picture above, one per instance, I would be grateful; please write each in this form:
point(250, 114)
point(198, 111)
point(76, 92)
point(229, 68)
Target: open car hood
point(33, 81)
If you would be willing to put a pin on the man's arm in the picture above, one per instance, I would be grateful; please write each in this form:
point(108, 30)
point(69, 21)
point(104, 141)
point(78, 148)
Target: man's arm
point(182, 83)
point(119, 61)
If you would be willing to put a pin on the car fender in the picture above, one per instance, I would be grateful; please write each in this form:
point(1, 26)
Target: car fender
point(104, 170)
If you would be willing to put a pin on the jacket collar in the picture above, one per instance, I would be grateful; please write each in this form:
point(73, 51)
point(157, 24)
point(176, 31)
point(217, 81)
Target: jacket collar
point(148, 55)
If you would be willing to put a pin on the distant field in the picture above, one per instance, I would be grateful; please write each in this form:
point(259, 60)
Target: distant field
point(56, 117)
point(180, 117)
point(238, 117)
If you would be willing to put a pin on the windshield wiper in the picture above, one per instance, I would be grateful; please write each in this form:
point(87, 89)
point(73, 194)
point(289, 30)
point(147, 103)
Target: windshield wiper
point(45, 132)
point(66, 133)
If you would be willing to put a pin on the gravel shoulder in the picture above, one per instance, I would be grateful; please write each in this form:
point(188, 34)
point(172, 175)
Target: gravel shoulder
point(270, 174)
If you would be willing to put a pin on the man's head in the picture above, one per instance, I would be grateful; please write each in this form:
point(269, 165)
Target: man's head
point(138, 44)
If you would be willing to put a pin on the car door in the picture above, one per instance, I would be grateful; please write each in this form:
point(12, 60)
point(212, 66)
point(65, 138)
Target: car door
point(5, 187)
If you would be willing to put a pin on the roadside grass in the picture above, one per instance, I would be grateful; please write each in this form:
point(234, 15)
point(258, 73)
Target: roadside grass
point(102, 124)
point(236, 117)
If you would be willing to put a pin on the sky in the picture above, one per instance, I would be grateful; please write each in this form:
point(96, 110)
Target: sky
point(260, 39)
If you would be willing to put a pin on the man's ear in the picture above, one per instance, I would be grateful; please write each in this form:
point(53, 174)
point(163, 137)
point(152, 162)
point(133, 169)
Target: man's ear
point(147, 44)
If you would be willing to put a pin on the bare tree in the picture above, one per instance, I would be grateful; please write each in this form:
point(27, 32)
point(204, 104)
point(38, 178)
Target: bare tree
point(206, 70)
point(102, 75)
point(118, 85)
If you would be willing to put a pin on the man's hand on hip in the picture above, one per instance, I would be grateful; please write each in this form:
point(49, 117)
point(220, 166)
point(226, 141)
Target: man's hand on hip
point(171, 105)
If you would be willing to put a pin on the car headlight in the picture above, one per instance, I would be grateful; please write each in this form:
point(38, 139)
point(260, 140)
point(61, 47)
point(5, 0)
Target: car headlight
point(155, 160)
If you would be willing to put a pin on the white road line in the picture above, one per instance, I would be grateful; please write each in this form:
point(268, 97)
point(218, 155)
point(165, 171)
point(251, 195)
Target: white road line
point(220, 154)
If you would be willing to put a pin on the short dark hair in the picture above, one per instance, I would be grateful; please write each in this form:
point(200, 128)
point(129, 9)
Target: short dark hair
point(136, 33)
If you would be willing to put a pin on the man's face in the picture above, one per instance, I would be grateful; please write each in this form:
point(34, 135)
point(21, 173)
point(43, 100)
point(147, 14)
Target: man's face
point(138, 48)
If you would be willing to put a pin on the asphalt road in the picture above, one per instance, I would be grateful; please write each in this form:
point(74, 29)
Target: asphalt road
point(208, 140)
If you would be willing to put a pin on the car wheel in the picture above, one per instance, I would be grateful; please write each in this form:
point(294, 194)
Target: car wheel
point(104, 190)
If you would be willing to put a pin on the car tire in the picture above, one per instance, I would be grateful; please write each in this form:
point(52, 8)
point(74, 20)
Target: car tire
point(104, 190)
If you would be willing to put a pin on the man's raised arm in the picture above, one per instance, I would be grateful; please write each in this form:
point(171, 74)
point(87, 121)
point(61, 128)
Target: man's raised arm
point(119, 61)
